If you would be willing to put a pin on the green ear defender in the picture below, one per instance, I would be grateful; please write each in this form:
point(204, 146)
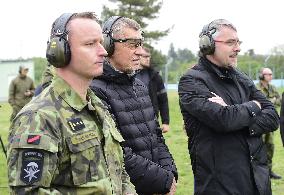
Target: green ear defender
point(58, 50)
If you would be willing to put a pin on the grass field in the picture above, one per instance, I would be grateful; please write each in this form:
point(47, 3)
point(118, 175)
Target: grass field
point(177, 142)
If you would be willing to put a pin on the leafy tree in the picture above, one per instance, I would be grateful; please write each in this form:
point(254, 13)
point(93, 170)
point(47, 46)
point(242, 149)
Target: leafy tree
point(39, 66)
point(142, 11)
point(185, 55)
point(182, 59)
point(172, 53)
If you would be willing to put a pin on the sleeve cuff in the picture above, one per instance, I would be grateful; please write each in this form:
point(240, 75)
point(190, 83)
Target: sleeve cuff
point(253, 108)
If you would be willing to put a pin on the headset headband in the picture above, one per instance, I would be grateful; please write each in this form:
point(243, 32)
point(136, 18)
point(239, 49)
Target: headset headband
point(107, 28)
point(59, 26)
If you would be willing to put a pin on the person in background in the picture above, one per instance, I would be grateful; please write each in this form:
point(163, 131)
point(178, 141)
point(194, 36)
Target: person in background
point(271, 93)
point(148, 161)
point(21, 91)
point(65, 141)
point(157, 91)
point(225, 116)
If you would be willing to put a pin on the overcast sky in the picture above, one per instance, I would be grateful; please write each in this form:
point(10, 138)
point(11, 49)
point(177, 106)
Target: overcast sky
point(25, 24)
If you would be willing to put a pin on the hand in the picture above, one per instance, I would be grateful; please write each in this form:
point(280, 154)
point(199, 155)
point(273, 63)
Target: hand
point(165, 128)
point(258, 104)
point(173, 188)
point(217, 99)
point(273, 100)
point(28, 93)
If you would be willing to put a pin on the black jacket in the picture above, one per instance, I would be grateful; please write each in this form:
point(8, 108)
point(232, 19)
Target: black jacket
point(158, 93)
point(282, 119)
point(227, 153)
point(147, 159)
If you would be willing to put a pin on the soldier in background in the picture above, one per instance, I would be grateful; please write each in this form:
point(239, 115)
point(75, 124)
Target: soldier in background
point(270, 91)
point(21, 91)
point(65, 141)
point(157, 91)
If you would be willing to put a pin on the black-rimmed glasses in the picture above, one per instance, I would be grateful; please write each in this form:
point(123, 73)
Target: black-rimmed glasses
point(131, 43)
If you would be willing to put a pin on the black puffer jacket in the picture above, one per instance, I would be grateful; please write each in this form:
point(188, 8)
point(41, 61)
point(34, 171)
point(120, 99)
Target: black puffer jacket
point(227, 153)
point(147, 159)
point(157, 92)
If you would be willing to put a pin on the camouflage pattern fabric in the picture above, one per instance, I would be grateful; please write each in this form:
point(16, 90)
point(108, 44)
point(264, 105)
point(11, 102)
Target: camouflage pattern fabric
point(17, 89)
point(47, 76)
point(272, 94)
point(61, 144)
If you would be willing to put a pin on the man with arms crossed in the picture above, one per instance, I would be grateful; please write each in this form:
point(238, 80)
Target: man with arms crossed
point(225, 116)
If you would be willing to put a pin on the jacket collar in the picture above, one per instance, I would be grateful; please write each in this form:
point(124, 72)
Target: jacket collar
point(70, 96)
point(221, 72)
point(62, 90)
point(111, 74)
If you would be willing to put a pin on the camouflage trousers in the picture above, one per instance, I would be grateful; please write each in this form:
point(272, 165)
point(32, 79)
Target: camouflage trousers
point(269, 143)
point(16, 110)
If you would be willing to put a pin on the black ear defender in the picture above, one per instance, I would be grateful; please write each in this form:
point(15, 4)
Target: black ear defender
point(206, 41)
point(107, 34)
point(58, 51)
point(260, 74)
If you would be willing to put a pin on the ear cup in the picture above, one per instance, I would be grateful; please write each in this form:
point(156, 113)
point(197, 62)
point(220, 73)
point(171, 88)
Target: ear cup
point(108, 44)
point(107, 33)
point(206, 44)
point(206, 41)
point(260, 74)
point(58, 51)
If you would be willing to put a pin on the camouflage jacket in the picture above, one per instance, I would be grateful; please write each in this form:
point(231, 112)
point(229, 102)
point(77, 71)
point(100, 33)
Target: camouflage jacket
point(271, 93)
point(47, 76)
point(17, 89)
point(61, 144)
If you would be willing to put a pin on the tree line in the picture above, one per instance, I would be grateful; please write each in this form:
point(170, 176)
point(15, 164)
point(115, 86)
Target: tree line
point(177, 61)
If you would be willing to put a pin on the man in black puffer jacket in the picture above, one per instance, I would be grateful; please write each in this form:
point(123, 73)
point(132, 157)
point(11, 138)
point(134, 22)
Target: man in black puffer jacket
point(147, 159)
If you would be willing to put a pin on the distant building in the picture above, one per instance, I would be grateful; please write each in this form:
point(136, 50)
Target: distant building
point(9, 69)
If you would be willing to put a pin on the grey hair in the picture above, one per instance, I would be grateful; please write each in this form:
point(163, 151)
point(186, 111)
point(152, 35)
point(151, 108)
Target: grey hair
point(123, 22)
point(218, 24)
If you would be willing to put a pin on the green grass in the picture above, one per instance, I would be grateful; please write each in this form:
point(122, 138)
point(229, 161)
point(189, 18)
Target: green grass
point(177, 142)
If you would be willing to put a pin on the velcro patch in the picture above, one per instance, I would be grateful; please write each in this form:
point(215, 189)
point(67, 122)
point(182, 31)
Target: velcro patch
point(32, 166)
point(83, 137)
point(76, 124)
point(33, 139)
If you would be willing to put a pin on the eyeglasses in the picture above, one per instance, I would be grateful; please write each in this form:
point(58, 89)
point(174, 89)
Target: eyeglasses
point(131, 43)
point(230, 42)
point(269, 74)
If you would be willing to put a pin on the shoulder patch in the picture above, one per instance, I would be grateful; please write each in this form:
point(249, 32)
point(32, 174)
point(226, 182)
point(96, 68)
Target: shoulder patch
point(76, 124)
point(33, 139)
point(32, 166)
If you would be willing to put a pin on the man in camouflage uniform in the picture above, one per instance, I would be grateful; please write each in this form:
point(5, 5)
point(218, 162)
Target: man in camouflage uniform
point(65, 141)
point(21, 91)
point(270, 91)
